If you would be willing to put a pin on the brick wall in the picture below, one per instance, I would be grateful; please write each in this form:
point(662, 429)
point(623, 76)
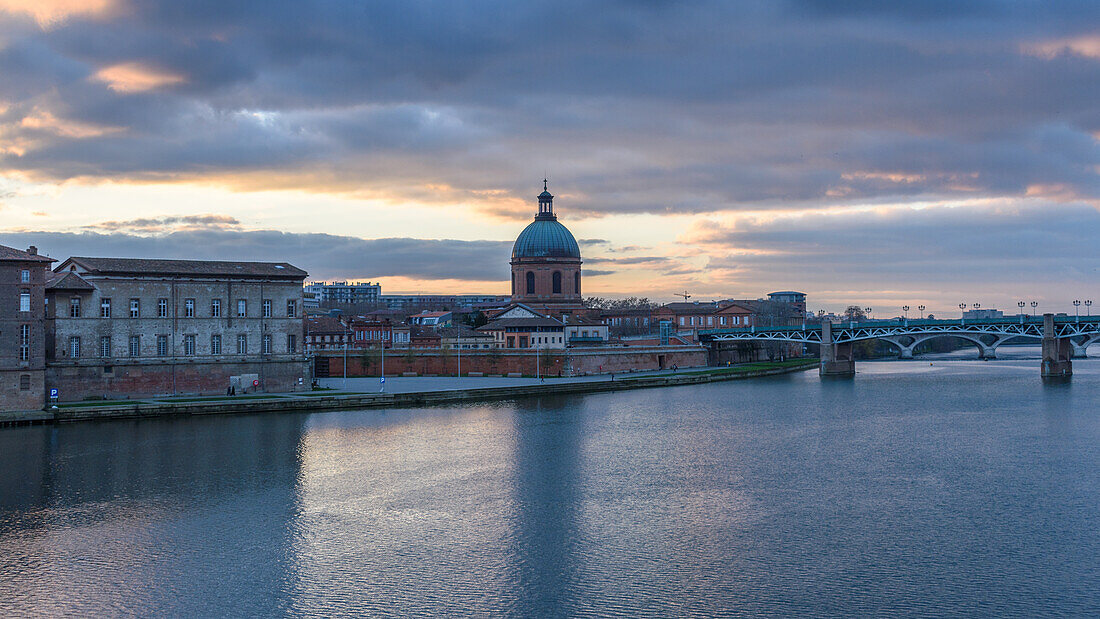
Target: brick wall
point(82, 381)
point(572, 362)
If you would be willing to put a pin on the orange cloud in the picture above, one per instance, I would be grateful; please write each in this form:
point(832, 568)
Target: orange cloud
point(129, 77)
point(44, 120)
point(50, 12)
point(1087, 46)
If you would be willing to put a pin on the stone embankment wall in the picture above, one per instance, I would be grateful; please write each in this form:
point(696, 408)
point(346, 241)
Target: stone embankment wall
point(275, 404)
point(570, 362)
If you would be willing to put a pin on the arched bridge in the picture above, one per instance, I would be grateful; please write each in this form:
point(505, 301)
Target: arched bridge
point(1069, 336)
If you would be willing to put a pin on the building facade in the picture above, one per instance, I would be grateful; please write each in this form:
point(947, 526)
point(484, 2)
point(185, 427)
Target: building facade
point(343, 293)
point(546, 263)
point(22, 329)
point(119, 327)
point(518, 326)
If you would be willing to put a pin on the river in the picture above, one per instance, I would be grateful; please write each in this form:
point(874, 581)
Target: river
point(944, 486)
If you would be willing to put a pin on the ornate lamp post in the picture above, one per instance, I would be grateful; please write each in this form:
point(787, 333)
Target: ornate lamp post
point(1034, 304)
point(1088, 306)
point(1021, 306)
point(867, 311)
point(962, 308)
point(921, 308)
point(905, 313)
point(1077, 310)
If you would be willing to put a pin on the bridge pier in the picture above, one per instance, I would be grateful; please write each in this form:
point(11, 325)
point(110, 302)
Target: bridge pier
point(836, 359)
point(987, 352)
point(1057, 351)
point(1078, 351)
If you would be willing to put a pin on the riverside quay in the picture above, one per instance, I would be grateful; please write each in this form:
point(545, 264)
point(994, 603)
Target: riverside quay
point(120, 327)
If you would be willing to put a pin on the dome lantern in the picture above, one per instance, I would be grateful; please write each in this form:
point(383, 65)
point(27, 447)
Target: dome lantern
point(546, 203)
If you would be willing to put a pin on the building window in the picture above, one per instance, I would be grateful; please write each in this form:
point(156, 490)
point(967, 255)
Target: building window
point(74, 307)
point(530, 282)
point(162, 308)
point(189, 345)
point(513, 283)
point(291, 343)
point(188, 308)
point(577, 282)
point(215, 344)
point(683, 321)
point(135, 308)
point(24, 342)
point(24, 300)
point(135, 345)
point(242, 344)
point(216, 308)
point(105, 307)
point(267, 308)
point(557, 282)
point(25, 276)
point(266, 348)
point(74, 347)
point(242, 308)
point(291, 308)
point(24, 382)
point(105, 346)
point(162, 345)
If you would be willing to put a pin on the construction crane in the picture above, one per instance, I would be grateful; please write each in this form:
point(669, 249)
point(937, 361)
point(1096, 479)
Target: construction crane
point(684, 294)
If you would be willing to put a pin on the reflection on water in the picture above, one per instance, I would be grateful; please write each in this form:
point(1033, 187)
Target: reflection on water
point(946, 485)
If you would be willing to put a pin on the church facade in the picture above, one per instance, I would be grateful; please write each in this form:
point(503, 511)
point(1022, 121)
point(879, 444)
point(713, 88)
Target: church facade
point(546, 263)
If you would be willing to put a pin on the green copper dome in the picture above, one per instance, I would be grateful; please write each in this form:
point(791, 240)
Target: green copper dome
point(546, 238)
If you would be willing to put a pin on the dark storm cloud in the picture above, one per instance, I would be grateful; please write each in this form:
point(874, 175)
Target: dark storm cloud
point(632, 106)
point(324, 256)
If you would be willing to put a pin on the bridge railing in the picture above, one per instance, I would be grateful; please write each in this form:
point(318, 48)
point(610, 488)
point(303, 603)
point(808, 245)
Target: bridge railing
point(912, 322)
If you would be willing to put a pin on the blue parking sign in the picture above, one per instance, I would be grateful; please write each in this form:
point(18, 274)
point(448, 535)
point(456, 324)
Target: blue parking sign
point(383, 379)
point(53, 393)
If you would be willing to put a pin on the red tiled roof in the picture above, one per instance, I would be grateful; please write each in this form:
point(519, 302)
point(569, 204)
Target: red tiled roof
point(18, 255)
point(66, 280)
point(215, 268)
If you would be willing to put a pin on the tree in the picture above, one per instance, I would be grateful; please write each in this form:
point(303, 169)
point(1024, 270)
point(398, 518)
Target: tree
point(854, 313)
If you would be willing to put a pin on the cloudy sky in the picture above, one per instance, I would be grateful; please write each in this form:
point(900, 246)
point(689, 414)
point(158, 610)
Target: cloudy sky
point(864, 152)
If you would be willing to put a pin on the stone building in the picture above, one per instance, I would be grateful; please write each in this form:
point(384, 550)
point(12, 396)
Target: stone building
point(119, 327)
point(519, 326)
point(22, 329)
point(546, 263)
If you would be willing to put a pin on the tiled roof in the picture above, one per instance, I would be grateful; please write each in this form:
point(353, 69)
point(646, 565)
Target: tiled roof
point(502, 323)
point(67, 280)
point(11, 253)
point(315, 325)
point(209, 268)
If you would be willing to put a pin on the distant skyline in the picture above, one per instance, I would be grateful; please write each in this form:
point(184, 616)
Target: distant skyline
point(879, 154)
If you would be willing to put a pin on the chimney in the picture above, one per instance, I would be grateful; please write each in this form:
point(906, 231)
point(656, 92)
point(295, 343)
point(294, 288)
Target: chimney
point(32, 250)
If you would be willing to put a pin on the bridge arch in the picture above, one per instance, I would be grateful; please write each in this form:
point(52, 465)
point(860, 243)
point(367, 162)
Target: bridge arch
point(985, 343)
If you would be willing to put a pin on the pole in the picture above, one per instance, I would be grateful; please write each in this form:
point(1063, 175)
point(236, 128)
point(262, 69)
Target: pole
point(346, 331)
point(460, 355)
point(382, 371)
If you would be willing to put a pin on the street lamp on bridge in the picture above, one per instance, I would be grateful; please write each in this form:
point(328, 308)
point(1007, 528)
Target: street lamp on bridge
point(1088, 305)
point(1021, 306)
point(905, 311)
point(1077, 310)
point(1034, 304)
point(867, 312)
point(921, 308)
point(962, 308)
